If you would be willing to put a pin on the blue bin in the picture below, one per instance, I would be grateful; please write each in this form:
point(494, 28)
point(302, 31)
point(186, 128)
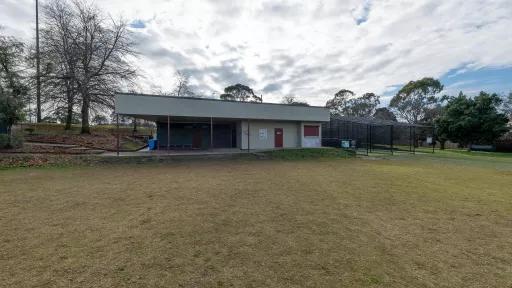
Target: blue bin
point(152, 144)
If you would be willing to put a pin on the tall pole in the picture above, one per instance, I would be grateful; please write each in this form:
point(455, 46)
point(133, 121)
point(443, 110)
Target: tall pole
point(38, 74)
point(117, 138)
point(391, 139)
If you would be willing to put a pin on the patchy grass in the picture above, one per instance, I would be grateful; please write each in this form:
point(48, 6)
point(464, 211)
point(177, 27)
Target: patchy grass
point(309, 153)
point(465, 152)
point(403, 221)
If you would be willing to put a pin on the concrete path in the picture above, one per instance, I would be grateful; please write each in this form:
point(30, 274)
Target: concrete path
point(146, 152)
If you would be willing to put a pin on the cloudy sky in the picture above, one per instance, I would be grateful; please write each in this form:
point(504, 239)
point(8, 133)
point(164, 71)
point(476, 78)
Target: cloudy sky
point(310, 49)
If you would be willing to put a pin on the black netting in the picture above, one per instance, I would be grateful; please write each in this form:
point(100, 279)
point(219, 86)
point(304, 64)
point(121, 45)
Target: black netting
point(371, 136)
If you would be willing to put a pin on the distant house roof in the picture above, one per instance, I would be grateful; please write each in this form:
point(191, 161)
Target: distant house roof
point(150, 106)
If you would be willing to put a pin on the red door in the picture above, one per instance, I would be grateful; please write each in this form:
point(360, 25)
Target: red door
point(278, 137)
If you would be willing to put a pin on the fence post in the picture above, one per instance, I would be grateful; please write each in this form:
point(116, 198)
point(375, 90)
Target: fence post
point(414, 140)
point(248, 135)
point(433, 139)
point(367, 138)
point(168, 133)
point(410, 140)
point(117, 138)
point(371, 139)
point(391, 140)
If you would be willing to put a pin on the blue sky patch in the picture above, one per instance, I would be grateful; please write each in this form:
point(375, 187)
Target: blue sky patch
point(138, 24)
point(471, 82)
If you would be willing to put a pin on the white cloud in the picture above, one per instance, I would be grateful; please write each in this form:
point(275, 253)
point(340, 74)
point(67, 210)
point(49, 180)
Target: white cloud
point(305, 48)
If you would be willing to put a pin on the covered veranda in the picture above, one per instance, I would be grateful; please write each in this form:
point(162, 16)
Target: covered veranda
point(194, 133)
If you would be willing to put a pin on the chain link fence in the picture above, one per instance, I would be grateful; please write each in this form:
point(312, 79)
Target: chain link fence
point(366, 136)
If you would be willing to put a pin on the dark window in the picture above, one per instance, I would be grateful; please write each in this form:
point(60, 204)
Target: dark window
point(310, 130)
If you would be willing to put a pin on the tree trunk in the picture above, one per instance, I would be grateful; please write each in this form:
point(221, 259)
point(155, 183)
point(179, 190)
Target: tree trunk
point(86, 102)
point(69, 117)
point(69, 112)
point(442, 144)
point(134, 125)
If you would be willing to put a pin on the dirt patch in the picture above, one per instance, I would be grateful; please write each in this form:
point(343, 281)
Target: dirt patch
point(96, 141)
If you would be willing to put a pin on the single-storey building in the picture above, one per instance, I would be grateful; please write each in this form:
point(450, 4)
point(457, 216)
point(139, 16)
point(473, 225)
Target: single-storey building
point(204, 123)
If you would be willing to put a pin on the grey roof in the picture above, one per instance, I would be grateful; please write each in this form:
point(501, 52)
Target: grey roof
point(156, 105)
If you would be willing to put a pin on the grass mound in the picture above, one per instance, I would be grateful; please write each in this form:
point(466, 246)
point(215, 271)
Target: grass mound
point(309, 153)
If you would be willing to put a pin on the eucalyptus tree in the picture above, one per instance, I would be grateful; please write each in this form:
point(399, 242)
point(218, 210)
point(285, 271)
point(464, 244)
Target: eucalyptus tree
point(414, 101)
point(239, 92)
point(345, 103)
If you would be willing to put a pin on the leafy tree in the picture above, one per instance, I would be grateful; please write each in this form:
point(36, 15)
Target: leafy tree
point(363, 106)
point(507, 105)
point(416, 98)
point(384, 113)
point(239, 92)
point(466, 121)
point(337, 105)
point(291, 100)
point(343, 103)
point(13, 89)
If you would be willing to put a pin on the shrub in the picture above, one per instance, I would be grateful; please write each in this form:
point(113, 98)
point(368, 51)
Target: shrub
point(17, 141)
point(4, 141)
point(13, 141)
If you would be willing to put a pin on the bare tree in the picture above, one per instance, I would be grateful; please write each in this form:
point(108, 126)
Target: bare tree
point(292, 100)
point(89, 55)
point(60, 56)
point(182, 85)
point(103, 47)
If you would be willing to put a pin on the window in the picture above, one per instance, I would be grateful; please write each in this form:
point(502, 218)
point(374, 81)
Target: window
point(311, 131)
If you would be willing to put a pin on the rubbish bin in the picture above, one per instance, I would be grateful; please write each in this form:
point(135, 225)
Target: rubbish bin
point(346, 143)
point(152, 144)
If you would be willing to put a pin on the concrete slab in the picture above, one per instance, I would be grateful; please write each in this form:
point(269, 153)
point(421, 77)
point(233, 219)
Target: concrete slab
point(146, 152)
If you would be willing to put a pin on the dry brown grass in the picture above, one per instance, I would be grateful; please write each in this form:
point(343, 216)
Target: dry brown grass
point(329, 223)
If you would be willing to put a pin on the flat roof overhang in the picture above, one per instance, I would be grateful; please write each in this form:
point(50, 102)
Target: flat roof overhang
point(157, 108)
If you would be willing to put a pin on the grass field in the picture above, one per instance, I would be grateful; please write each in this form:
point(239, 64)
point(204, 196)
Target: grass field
point(405, 221)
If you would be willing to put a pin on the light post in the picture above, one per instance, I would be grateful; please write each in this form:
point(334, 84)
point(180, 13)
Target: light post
point(38, 74)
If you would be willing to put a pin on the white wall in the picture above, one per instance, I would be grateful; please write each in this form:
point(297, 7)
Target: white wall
point(311, 141)
point(291, 134)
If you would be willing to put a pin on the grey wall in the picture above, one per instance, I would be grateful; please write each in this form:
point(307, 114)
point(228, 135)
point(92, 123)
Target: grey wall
point(291, 132)
point(135, 104)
